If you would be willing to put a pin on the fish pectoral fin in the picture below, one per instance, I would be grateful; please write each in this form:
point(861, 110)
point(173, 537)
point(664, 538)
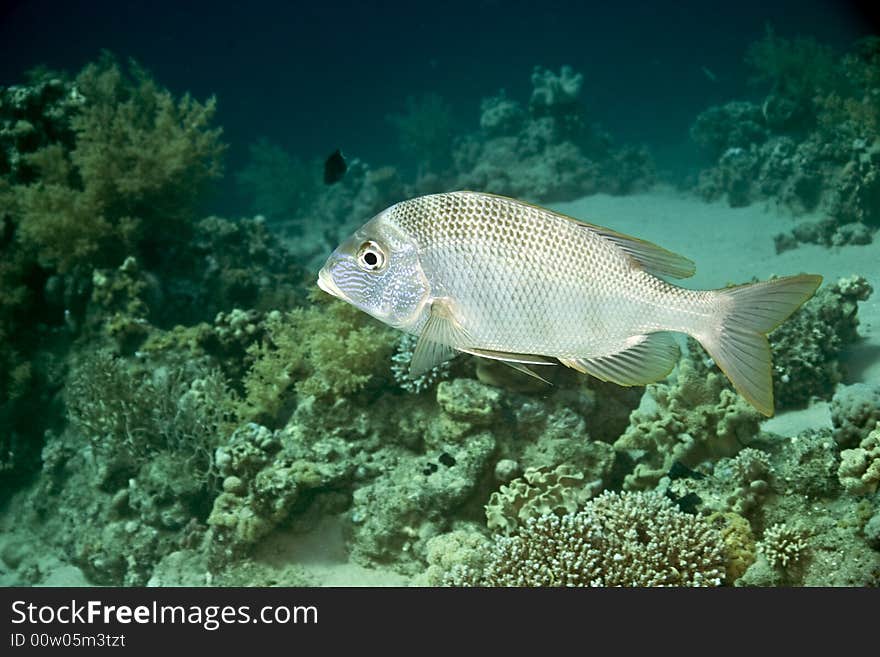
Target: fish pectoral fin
point(643, 359)
point(441, 336)
point(650, 257)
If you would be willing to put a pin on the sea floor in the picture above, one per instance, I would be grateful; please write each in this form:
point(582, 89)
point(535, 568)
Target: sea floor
point(728, 245)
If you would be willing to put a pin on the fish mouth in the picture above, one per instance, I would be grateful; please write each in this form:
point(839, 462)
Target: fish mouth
point(326, 283)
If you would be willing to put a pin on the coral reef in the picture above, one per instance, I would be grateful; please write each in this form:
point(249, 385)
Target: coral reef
point(186, 406)
point(859, 470)
point(617, 539)
point(783, 546)
point(807, 345)
point(549, 151)
point(813, 144)
point(855, 411)
point(698, 418)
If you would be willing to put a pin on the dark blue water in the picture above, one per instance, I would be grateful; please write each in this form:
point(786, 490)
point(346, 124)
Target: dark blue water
point(316, 76)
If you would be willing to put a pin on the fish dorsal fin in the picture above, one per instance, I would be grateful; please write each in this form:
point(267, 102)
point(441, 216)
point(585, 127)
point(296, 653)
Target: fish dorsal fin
point(643, 359)
point(652, 258)
point(441, 336)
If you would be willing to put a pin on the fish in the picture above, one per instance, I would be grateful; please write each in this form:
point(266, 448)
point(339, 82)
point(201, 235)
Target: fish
point(334, 167)
point(482, 274)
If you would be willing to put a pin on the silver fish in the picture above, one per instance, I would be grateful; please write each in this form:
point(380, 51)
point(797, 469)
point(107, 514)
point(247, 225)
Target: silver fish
point(499, 278)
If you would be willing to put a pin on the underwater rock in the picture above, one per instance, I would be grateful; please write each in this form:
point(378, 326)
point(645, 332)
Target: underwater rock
point(469, 401)
point(806, 347)
point(855, 411)
point(737, 124)
point(268, 477)
point(698, 418)
point(872, 531)
point(810, 465)
point(393, 517)
point(859, 470)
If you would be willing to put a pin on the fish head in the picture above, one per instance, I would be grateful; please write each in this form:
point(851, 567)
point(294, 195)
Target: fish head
point(377, 270)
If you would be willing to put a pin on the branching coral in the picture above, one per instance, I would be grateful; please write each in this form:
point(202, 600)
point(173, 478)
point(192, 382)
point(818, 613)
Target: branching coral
point(401, 360)
point(618, 539)
point(131, 417)
point(783, 546)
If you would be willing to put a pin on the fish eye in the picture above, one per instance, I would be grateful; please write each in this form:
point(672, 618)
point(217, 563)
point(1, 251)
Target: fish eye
point(371, 257)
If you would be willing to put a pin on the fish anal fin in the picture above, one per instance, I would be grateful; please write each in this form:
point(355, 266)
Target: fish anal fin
point(643, 359)
point(441, 336)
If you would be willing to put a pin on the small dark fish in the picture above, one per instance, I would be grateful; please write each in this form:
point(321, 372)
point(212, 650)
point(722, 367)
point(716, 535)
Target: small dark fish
point(680, 471)
point(334, 168)
point(686, 503)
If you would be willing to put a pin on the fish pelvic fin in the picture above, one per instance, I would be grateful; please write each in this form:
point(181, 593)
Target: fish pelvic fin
point(738, 342)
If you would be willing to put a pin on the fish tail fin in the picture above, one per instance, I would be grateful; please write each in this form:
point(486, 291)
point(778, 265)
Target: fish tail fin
point(737, 340)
